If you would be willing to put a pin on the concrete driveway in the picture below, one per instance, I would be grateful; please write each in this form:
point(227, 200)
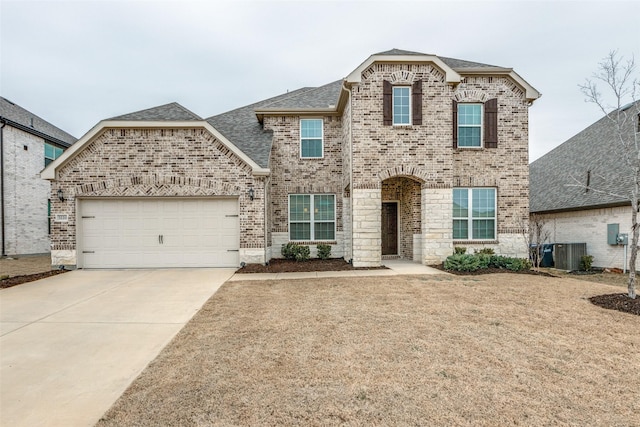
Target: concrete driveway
point(72, 343)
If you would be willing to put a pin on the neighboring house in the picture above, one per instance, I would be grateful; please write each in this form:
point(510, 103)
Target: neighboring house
point(575, 213)
point(27, 144)
point(408, 156)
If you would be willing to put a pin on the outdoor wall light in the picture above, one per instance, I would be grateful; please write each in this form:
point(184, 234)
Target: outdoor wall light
point(251, 193)
point(60, 195)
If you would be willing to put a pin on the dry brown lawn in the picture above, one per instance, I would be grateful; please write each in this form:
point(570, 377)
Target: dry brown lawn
point(491, 350)
point(25, 264)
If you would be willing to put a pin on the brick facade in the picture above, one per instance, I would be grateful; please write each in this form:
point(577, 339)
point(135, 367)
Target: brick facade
point(424, 154)
point(291, 174)
point(157, 163)
point(25, 194)
point(364, 163)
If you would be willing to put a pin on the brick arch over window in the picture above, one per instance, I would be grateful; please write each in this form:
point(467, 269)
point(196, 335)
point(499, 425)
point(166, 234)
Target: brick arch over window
point(411, 172)
point(471, 95)
point(157, 186)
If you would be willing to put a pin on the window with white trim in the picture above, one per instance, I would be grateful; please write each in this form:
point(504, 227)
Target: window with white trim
point(469, 125)
point(311, 138)
point(312, 217)
point(401, 105)
point(474, 214)
point(51, 152)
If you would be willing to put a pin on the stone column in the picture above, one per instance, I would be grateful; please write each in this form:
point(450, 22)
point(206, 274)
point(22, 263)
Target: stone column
point(367, 241)
point(437, 224)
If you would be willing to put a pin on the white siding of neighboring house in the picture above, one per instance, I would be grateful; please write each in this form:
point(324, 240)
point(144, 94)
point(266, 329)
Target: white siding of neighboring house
point(26, 194)
point(590, 227)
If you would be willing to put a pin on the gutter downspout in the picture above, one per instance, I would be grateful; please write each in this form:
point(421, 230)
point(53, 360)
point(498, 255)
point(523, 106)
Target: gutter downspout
point(4, 123)
point(267, 182)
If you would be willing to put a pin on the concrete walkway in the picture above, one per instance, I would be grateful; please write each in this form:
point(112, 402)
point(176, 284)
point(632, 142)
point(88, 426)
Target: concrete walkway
point(395, 267)
point(72, 343)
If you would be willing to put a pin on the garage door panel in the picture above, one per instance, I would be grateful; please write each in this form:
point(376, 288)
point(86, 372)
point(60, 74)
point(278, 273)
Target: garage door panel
point(126, 233)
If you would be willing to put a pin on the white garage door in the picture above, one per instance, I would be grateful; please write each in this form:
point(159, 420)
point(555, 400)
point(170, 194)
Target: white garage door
point(156, 232)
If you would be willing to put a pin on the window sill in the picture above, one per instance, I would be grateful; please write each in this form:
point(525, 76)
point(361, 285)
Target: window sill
point(314, 242)
point(476, 242)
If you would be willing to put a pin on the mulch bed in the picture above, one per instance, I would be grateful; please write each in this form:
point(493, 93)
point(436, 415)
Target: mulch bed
point(620, 302)
point(491, 271)
point(278, 265)
point(19, 280)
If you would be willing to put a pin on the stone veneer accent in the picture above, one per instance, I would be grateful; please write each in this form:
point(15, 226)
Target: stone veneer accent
point(437, 224)
point(366, 227)
point(157, 163)
point(282, 238)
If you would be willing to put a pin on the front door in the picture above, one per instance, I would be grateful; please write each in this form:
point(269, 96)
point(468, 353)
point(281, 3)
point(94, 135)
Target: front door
point(390, 228)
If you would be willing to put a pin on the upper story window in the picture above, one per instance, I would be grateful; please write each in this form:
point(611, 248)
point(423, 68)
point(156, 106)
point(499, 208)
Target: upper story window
point(475, 125)
point(401, 105)
point(474, 213)
point(51, 152)
point(469, 125)
point(311, 138)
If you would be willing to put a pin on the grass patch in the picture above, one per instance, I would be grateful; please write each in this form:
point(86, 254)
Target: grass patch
point(500, 349)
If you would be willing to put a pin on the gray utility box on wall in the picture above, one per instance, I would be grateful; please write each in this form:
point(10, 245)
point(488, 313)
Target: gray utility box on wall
point(612, 233)
point(567, 255)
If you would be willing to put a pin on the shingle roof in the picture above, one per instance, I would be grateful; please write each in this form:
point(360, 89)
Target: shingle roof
point(167, 112)
point(451, 62)
point(593, 153)
point(401, 52)
point(460, 64)
point(29, 122)
point(320, 97)
point(241, 127)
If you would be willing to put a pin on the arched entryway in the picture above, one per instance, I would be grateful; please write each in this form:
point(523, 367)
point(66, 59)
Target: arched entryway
point(401, 221)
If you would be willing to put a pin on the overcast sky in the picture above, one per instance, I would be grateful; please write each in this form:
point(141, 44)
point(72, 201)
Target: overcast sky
point(76, 63)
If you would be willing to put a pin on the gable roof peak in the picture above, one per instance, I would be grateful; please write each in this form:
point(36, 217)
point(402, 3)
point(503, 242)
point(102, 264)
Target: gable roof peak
point(401, 52)
point(167, 112)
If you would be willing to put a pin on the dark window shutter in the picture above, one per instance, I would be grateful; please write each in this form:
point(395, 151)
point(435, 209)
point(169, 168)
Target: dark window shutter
point(491, 123)
point(455, 124)
point(416, 107)
point(387, 106)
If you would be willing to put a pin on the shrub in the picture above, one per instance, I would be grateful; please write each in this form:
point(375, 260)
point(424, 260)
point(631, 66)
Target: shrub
point(295, 251)
point(508, 263)
point(484, 260)
point(459, 250)
point(485, 251)
point(324, 251)
point(477, 261)
point(303, 253)
point(462, 262)
point(289, 250)
point(585, 262)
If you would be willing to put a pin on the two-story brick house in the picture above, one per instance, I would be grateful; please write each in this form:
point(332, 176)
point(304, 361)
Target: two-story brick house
point(408, 156)
point(27, 144)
